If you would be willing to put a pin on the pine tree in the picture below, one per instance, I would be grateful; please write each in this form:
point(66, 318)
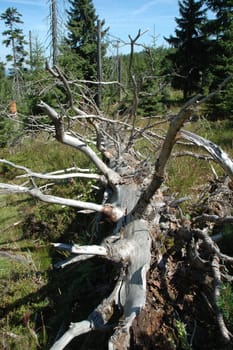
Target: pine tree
point(82, 39)
point(190, 43)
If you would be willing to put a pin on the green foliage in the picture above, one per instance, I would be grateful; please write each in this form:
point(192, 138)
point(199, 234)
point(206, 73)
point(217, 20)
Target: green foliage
point(21, 287)
point(37, 59)
point(182, 335)
point(14, 36)
point(177, 175)
point(220, 31)
point(150, 69)
point(16, 40)
point(225, 303)
point(81, 40)
point(5, 97)
point(6, 131)
point(191, 55)
point(203, 53)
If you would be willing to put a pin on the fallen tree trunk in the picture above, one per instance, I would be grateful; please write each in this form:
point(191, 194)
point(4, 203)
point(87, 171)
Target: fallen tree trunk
point(140, 215)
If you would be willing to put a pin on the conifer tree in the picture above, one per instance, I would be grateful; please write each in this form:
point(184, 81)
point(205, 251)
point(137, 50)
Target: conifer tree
point(220, 29)
point(16, 39)
point(14, 36)
point(224, 13)
point(37, 56)
point(190, 43)
point(82, 39)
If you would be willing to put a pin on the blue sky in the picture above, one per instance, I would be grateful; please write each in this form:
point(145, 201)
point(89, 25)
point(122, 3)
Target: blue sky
point(124, 17)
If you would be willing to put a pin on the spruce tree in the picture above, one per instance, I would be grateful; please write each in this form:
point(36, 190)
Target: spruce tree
point(220, 30)
point(223, 10)
point(16, 40)
point(82, 39)
point(190, 43)
point(14, 36)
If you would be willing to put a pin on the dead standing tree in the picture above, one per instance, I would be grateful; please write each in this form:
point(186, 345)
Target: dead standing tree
point(133, 201)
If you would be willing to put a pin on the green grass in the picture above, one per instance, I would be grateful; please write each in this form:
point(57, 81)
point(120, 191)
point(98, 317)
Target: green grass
point(27, 228)
point(186, 174)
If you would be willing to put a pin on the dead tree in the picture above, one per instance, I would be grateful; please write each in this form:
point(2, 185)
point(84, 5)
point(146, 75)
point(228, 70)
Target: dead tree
point(133, 201)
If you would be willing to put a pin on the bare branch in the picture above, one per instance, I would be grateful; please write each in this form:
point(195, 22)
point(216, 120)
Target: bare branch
point(192, 154)
point(171, 137)
point(213, 218)
point(227, 336)
point(210, 245)
point(96, 320)
point(64, 176)
point(53, 175)
point(112, 212)
point(82, 249)
point(16, 257)
point(216, 152)
point(74, 331)
point(72, 260)
point(67, 139)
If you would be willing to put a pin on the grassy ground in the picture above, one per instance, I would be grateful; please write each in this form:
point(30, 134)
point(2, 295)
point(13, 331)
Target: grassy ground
point(186, 174)
point(27, 227)
point(29, 289)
